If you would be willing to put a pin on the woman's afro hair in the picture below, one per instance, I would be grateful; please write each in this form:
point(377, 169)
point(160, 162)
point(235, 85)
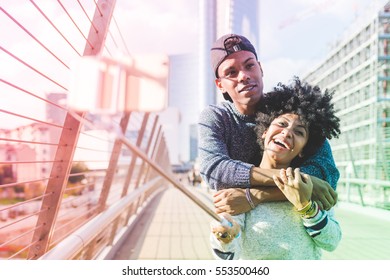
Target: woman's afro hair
point(308, 102)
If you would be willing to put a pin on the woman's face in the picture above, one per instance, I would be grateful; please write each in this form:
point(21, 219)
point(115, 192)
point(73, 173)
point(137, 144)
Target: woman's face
point(241, 76)
point(284, 140)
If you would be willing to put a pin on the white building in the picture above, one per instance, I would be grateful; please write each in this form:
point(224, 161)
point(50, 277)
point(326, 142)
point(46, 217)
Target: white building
point(357, 69)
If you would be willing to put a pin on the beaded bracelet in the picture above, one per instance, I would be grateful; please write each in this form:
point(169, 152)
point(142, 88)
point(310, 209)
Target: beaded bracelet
point(248, 197)
point(309, 211)
point(303, 210)
point(312, 212)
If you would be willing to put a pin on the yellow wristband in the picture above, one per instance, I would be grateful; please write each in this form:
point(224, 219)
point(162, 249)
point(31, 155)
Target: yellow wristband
point(303, 210)
point(313, 210)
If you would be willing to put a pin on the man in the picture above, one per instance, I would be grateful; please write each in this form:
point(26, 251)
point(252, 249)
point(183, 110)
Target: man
point(228, 150)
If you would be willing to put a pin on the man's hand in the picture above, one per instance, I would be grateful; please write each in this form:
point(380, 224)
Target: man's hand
point(232, 201)
point(323, 194)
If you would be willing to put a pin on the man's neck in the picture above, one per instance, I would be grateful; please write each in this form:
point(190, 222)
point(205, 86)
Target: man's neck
point(247, 110)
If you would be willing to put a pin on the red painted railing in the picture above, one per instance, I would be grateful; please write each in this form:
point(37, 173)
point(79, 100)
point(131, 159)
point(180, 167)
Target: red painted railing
point(58, 176)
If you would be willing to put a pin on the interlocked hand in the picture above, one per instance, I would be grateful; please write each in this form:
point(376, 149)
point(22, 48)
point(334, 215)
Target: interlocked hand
point(296, 186)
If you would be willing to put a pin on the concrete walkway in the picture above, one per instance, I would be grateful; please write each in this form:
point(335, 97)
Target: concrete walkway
point(366, 233)
point(172, 228)
point(175, 228)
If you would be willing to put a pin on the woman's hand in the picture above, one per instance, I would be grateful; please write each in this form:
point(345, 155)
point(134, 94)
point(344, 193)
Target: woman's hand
point(226, 230)
point(296, 186)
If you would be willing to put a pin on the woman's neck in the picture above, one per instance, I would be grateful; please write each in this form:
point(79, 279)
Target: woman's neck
point(270, 164)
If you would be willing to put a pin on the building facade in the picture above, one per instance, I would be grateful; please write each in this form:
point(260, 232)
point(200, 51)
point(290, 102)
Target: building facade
point(357, 70)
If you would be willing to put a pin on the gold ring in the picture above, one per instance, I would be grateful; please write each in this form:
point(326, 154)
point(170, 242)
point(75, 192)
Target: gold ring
point(224, 235)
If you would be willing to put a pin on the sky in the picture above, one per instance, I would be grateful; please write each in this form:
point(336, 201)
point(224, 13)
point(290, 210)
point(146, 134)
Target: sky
point(295, 35)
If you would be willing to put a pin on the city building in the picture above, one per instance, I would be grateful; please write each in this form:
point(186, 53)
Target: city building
point(183, 105)
point(27, 161)
point(357, 69)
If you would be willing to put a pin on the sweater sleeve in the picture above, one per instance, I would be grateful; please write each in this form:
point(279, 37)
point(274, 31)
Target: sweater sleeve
point(322, 165)
point(324, 229)
point(216, 167)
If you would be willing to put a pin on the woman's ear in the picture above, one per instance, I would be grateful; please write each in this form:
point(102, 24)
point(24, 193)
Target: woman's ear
point(264, 133)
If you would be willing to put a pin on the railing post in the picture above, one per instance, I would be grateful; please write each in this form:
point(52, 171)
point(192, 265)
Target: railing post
point(141, 171)
point(152, 156)
point(134, 157)
point(110, 172)
point(99, 27)
point(55, 188)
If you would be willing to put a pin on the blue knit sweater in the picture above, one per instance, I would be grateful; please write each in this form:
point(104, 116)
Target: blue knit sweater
point(228, 149)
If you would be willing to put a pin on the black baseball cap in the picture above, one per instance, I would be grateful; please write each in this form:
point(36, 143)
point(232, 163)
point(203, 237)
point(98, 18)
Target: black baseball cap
point(225, 46)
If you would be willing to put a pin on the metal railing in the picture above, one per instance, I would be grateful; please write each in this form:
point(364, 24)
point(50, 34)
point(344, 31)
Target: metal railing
point(366, 192)
point(61, 180)
point(72, 184)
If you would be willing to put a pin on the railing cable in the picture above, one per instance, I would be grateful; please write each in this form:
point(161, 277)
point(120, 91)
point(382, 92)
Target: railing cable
point(75, 24)
point(121, 36)
point(32, 36)
point(32, 94)
point(55, 27)
point(31, 119)
point(31, 67)
point(92, 24)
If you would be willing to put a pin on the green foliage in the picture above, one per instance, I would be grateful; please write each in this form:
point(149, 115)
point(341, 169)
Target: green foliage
point(6, 174)
point(78, 167)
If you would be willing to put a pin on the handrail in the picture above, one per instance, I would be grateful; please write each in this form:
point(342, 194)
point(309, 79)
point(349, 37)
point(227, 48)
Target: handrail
point(72, 245)
point(365, 181)
point(171, 179)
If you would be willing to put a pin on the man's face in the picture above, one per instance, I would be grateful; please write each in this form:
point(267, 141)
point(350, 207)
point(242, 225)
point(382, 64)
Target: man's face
point(241, 76)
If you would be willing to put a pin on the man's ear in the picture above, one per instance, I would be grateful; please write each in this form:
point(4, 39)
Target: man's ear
point(219, 84)
point(264, 133)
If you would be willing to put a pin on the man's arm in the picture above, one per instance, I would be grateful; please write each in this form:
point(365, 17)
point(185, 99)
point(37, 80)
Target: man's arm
point(323, 193)
point(225, 148)
point(234, 201)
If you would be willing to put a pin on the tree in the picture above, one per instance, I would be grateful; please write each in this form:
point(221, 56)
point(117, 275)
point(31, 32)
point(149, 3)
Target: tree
point(78, 168)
